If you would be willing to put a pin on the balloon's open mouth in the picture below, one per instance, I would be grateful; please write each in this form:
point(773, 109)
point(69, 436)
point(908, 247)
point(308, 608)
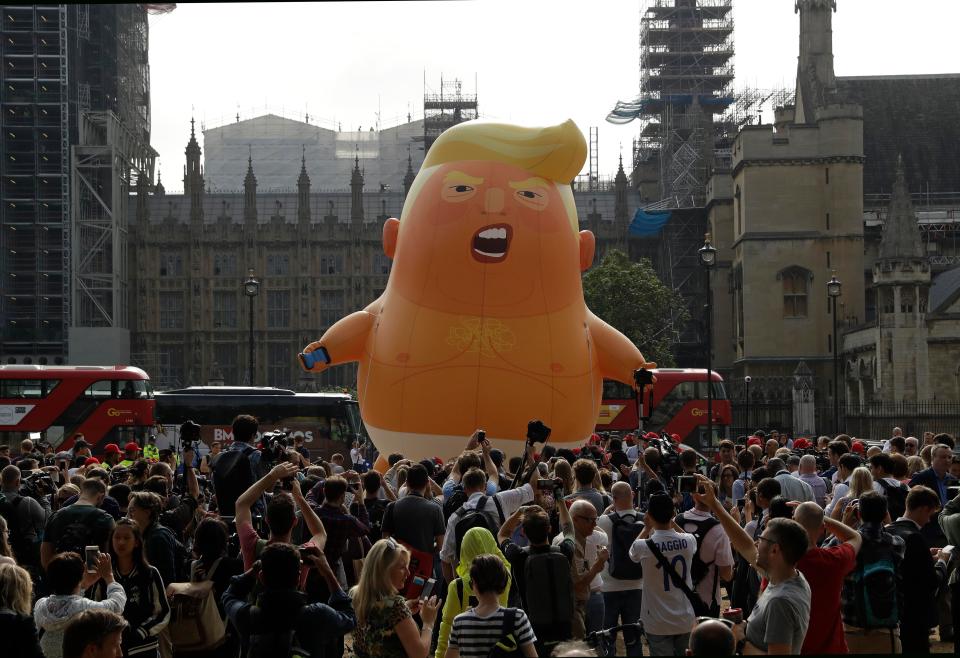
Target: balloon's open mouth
point(491, 243)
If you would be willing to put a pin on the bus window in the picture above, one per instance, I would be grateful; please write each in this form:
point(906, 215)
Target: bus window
point(719, 393)
point(102, 390)
point(683, 391)
point(134, 389)
point(21, 388)
point(617, 391)
point(356, 423)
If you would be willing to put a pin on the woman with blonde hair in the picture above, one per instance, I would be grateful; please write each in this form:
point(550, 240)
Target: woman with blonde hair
point(563, 470)
point(6, 553)
point(477, 541)
point(16, 625)
point(385, 626)
point(861, 481)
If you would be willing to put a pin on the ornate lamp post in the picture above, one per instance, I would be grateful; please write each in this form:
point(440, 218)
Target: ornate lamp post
point(834, 290)
point(746, 383)
point(708, 260)
point(251, 288)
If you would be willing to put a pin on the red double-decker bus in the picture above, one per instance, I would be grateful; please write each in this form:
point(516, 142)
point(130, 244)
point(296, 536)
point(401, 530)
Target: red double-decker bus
point(107, 404)
point(677, 405)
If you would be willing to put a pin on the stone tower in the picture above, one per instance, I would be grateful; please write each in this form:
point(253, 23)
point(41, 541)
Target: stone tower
point(797, 216)
point(901, 281)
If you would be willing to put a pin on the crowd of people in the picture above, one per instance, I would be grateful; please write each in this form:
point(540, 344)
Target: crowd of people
point(627, 545)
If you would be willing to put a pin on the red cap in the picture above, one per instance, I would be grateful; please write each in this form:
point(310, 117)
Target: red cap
point(438, 461)
point(91, 460)
point(132, 447)
point(675, 437)
point(111, 448)
point(858, 446)
point(651, 435)
point(576, 451)
point(801, 444)
point(594, 438)
point(754, 441)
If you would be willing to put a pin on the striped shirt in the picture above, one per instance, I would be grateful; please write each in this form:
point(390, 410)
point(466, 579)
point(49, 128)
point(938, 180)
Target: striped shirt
point(475, 636)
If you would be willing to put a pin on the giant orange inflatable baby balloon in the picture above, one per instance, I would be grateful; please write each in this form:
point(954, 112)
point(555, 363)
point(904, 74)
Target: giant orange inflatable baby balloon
point(483, 323)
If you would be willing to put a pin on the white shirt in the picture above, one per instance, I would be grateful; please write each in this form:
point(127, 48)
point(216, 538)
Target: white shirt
point(609, 583)
point(510, 501)
point(715, 552)
point(632, 453)
point(665, 610)
point(593, 543)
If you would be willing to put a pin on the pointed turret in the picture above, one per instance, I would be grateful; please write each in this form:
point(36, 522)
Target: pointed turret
point(620, 212)
point(901, 235)
point(356, 193)
point(193, 176)
point(303, 191)
point(158, 189)
point(250, 192)
point(409, 176)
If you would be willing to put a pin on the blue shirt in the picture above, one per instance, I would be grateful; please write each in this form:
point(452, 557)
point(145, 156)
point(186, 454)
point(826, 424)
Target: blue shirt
point(449, 486)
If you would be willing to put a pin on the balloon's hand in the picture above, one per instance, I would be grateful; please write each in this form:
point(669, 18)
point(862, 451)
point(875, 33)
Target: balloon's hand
point(314, 358)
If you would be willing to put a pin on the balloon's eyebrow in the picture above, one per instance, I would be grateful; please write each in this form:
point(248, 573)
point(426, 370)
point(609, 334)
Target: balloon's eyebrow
point(460, 177)
point(527, 184)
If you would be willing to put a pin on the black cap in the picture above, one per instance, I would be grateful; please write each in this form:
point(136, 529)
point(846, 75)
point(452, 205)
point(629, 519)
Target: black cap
point(80, 443)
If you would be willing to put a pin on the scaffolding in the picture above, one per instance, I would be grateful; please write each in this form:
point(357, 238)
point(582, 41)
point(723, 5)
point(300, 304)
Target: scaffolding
point(446, 109)
point(106, 164)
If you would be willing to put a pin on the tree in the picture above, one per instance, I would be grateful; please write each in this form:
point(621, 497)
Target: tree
point(631, 298)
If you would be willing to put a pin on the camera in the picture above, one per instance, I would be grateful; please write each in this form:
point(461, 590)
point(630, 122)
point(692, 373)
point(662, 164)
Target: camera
point(642, 377)
point(537, 432)
point(37, 484)
point(686, 484)
point(481, 436)
point(189, 435)
point(275, 445)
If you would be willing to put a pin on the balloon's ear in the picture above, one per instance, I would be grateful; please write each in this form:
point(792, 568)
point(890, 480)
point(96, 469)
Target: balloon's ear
point(391, 228)
point(588, 245)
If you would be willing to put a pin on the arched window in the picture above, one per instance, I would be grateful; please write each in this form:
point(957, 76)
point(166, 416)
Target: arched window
point(796, 281)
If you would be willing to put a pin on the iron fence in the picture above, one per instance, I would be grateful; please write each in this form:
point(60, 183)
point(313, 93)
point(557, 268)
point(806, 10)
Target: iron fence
point(874, 420)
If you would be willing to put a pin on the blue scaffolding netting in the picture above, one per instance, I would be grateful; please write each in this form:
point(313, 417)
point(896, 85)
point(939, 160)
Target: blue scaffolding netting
point(645, 223)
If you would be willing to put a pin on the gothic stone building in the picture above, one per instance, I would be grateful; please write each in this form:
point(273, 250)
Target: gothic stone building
point(317, 255)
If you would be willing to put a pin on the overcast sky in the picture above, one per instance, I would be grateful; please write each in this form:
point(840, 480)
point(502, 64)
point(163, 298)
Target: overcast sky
point(533, 62)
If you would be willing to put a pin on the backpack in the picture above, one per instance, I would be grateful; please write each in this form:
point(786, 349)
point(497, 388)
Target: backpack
point(896, 498)
point(746, 581)
point(548, 587)
point(506, 646)
point(26, 552)
point(698, 569)
point(182, 559)
point(274, 642)
point(376, 510)
point(195, 621)
point(623, 534)
point(231, 477)
point(472, 602)
point(454, 502)
point(477, 517)
point(871, 594)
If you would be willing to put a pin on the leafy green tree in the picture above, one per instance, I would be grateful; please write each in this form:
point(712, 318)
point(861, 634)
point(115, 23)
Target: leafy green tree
point(630, 297)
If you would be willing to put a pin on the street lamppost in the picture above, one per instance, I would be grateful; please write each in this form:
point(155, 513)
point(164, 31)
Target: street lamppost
point(251, 288)
point(834, 288)
point(708, 260)
point(746, 382)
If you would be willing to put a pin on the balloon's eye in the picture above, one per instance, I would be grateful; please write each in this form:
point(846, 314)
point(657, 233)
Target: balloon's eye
point(527, 194)
point(535, 199)
point(457, 193)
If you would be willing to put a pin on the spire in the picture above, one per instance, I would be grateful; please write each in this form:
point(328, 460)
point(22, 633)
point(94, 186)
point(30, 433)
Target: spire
point(158, 189)
point(356, 192)
point(901, 235)
point(250, 192)
point(303, 191)
point(621, 177)
point(409, 176)
point(193, 187)
point(304, 179)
